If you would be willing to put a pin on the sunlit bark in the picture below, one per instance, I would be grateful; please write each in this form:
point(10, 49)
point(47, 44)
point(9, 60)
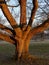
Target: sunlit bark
point(8, 15)
point(7, 38)
point(33, 11)
point(20, 35)
point(10, 18)
point(2, 27)
point(28, 28)
point(23, 12)
point(33, 32)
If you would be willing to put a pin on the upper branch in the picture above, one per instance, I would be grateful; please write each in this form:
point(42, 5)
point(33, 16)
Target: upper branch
point(8, 15)
point(28, 28)
point(46, 2)
point(33, 11)
point(13, 6)
point(39, 29)
point(42, 27)
point(10, 18)
point(22, 12)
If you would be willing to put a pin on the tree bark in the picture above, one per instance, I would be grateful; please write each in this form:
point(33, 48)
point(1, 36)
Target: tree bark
point(7, 38)
point(21, 35)
point(23, 12)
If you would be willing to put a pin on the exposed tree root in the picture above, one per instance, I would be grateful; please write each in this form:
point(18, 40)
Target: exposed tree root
point(25, 57)
point(28, 57)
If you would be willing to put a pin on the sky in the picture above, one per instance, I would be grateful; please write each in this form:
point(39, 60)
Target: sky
point(17, 10)
point(12, 2)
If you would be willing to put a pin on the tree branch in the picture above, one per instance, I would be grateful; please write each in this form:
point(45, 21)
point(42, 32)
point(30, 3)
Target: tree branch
point(13, 6)
point(7, 38)
point(33, 11)
point(46, 2)
point(23, 12)
point(8, 15)
point(39, 29)
point(43, 10)
point(6, 29)
point(10, 19)
point(34, 31)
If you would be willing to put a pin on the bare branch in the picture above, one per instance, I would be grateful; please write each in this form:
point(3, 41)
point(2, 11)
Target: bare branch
point(13, 6)
point(8, 15)
point(6, 29)
point(43, 10)
point(33, 11)
point(28, 28)
point(23, 12)
point(36, 30)
point(7, 38)
point(39, 29)
point(46, 2)
point(10, 18)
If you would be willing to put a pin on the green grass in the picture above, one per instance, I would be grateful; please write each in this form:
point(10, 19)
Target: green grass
point(7, 49)
point(39, 50)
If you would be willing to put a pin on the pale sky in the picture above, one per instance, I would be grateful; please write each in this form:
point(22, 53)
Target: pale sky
point(17, 10)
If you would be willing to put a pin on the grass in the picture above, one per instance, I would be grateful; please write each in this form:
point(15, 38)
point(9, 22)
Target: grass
point(39, 50)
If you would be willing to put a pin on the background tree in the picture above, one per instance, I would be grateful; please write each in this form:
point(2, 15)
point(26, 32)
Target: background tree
point(21, 34)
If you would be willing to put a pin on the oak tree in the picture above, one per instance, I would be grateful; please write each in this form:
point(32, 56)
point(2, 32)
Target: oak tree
point(20, 35)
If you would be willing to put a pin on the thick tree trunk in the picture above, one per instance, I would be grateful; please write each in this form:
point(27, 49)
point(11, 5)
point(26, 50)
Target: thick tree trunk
point(22, 48)
point(21, 35)
point(19, 47)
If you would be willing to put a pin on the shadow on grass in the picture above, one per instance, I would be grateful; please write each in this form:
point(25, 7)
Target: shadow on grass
point(7, 52)
point(9, 61)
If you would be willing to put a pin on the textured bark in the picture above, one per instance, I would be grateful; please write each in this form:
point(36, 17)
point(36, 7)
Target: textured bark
point(8, 14)
point(20, 35)
point(2, 0)
point(33, 11)
point(6, 29)
point(23, 11)
point(26, 45)
point(11, 19)
point(7, 38)
point(33, 32)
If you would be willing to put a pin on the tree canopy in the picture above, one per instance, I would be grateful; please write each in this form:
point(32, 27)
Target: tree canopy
point(28, 12)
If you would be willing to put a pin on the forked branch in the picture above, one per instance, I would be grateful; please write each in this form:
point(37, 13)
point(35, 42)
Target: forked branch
point(34, 9)
point(10, 18)
point(34, 31)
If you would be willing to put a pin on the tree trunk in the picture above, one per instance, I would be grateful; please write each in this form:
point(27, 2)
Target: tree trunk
point(20, 35)
point(22, 48)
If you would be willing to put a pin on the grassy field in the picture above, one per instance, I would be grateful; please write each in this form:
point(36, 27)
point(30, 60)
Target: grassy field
point(39, 50)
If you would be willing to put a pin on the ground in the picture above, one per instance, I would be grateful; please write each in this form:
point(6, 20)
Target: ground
point(39, 50)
